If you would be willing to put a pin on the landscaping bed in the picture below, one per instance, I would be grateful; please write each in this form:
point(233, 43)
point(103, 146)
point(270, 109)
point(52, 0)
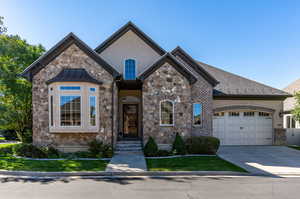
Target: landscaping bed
point(11, 163)
point(200, 163)
point(294, 147)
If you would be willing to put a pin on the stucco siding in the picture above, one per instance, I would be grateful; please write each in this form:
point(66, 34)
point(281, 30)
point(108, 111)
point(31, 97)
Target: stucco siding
point(129, 46)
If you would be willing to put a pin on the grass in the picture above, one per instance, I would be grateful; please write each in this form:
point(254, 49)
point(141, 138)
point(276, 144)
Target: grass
point(20, 164)
point(2, 138)
point(294, 147)
point(203, 163)
point(8, 162)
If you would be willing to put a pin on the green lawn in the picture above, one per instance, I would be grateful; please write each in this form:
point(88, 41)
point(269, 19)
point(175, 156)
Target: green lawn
point(203, 163)
point(8, 162)
point(294, 147)
point(13, 164)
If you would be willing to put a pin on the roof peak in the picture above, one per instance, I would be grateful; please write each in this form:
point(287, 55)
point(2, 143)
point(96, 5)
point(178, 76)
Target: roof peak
point(124, 29)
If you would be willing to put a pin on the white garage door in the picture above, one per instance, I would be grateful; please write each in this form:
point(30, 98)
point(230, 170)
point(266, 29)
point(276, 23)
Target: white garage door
point(243, 128)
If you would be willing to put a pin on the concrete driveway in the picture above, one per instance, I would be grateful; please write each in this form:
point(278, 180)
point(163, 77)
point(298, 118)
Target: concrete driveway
point(270, 160)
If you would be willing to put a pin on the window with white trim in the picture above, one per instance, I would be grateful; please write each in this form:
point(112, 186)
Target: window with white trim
point(166, 113)
point(92, 102)
point(130, 69)
point(70, 110)
point(197, 114)
point(73, 107)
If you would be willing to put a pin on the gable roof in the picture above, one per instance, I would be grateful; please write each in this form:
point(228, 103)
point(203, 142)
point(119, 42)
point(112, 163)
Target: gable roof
point(56, 50)
point(178, 51)
point(74, 75)
point(290, 103)
point(137, 31)
point(171, 60)
point(234, 86)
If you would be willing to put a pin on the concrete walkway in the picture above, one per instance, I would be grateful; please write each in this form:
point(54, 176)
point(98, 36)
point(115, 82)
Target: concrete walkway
point(127, 162)
point(270, 160)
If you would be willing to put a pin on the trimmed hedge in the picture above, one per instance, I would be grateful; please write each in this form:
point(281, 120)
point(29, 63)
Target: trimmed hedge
point(98, 149)
point(202, 145)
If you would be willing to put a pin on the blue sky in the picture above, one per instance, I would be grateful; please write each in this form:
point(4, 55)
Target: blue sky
point(258, 39)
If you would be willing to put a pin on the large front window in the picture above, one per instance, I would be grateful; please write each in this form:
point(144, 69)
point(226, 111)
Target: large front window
point(166, 113)
point(73, 107)
point(130, 69)
point(70, 110)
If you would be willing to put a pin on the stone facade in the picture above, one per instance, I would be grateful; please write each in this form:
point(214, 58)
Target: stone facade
point(72, 57)
point(167, 83)
point(280, 136)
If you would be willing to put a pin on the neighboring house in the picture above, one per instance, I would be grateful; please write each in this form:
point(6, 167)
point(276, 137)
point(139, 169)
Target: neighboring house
point(131, 88)
point(289, 105)
point(289, 123)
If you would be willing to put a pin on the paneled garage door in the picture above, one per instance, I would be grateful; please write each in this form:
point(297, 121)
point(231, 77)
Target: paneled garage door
point(243, 128)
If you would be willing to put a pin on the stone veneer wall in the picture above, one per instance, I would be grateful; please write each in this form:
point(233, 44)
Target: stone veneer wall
point(72, 57)
point(166, 83)
point(202, 92)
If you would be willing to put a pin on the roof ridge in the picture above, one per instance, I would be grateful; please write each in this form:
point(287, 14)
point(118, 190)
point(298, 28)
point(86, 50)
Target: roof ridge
point(239, 76)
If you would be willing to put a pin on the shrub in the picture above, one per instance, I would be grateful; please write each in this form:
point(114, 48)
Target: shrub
point(163, 153)
point(202, 145)
point(26, 136)
point(150, 148)
point(29, 150)
point(52, 152)
point(83, 154)
point(98, 149)
point(178, 146)
point(9, 134)
point(6, 149)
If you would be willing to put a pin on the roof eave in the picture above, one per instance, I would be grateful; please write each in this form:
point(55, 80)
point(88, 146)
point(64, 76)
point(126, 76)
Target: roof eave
point(187, 58)
point(129, 26)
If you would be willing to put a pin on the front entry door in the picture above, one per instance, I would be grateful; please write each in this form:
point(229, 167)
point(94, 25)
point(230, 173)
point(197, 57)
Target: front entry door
point(130, 120)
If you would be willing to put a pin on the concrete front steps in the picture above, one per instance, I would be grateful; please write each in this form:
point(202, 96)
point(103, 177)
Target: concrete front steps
point(128, 146)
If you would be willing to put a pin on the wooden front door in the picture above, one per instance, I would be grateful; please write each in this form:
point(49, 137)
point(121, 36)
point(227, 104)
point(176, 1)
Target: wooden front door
point(130, 120)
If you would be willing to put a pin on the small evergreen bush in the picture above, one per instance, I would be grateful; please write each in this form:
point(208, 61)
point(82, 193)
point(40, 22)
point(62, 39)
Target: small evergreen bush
point(178, 147)
point(150, 148)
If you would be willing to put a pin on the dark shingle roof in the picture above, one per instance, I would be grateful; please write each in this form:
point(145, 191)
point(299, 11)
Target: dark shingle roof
point(290, 103)
point(74, 75)
point(233, 85)
point(56, 50)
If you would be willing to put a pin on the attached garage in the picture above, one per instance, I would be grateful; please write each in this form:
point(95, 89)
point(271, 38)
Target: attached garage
point(246, 127)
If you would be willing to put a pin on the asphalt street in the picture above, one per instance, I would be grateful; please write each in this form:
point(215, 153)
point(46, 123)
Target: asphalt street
point(161, 188)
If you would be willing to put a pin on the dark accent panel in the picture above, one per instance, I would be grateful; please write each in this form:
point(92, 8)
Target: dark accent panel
point(243, 107)
point(74, 75)
point(129, 84)
point(60, 47)
point(136, 30)
point(171, 60)
point(191, 62)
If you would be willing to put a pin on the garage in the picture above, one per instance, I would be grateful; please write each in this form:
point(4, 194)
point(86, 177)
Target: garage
point(245, 127)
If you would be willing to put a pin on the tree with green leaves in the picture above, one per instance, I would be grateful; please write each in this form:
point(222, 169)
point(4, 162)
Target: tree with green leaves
point(296, 111)
point(15, 92)
point(3, 29)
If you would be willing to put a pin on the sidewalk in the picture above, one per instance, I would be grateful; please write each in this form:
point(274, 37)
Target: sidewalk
point(127, 162)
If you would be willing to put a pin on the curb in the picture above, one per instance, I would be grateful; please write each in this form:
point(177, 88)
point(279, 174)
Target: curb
point(111, 174)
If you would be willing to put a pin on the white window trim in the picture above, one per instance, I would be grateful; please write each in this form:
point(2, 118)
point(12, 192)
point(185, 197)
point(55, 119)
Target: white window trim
point(197, 125)
point(89, 109)
point(59, 110)
point(136, 64)
point(173, 111)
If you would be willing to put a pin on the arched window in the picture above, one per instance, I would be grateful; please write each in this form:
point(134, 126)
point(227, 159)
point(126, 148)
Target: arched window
point(130, 69)
point(166, 113)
